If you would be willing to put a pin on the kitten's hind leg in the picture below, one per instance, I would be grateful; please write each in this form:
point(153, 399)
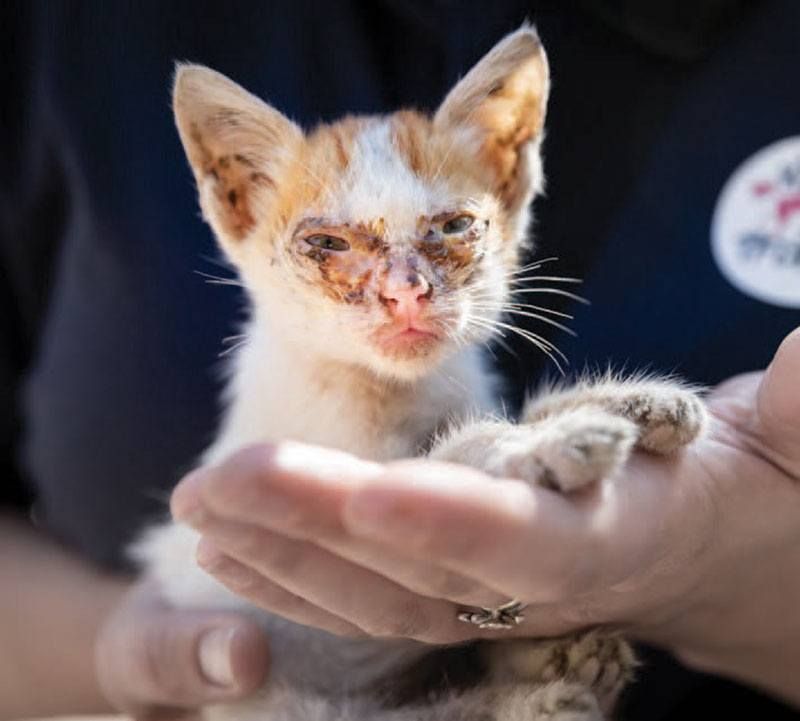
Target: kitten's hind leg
point(556, 701)
point(519, 701)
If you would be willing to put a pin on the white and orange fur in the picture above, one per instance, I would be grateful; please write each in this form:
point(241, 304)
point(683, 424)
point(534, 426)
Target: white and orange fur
point(378, 252)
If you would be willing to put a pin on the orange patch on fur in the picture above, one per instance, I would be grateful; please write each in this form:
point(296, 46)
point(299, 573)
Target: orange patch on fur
point(411, 133)
point(235, 180)
point(511, 115)
point(322, 160)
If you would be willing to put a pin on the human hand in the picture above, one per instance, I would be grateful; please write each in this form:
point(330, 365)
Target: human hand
point(697, 552)
point(153, 661)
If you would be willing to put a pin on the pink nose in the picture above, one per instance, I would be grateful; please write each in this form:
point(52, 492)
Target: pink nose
point(405, 299)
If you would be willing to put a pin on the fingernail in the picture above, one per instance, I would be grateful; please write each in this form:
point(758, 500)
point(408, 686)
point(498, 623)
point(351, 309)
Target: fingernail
point(185, 503)
point(214, 653)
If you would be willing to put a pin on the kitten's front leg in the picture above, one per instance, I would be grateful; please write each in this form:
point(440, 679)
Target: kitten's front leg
point(565, 451)
point(667, 414)
point(570, 438)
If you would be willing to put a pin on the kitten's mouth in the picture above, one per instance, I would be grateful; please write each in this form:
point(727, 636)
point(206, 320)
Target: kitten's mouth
point(410, 340)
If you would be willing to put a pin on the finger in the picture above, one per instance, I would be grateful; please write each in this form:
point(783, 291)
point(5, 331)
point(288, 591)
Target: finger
point(150, 656)
point(415, 575)
point(274, 485)
point(529, 542)
point(419, 575)
point(779, 402)
point(373, 603)
point(299, 491)
point(253, 586)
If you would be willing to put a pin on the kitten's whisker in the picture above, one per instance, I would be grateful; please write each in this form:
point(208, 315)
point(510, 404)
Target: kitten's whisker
point(522, 306)
point(534, 265)
point(497, 337)
point(524, 269)
point(544, 319)
point(557, 278)
point(537, 278)
point(233, 348)
point(541, 343)
point(537, 316)
point(554, 291)
point(531, 335)
point(217, 280)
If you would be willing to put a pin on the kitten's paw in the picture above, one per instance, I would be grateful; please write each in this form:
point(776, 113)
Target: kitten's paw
point(600, 662)
point(575, 449)
point(558, 701)
point(668, 417)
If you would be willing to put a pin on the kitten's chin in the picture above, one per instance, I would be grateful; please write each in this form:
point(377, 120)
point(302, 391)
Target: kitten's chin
point(408, 354)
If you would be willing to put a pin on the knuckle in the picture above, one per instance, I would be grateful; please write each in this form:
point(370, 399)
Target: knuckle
point(281, 558)
point(239, 578)
point(454, 586)
point(249, 542)
point(407, 621)
point(272, 597)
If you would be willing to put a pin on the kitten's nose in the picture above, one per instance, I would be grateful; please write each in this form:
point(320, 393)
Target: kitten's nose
point(405, 296)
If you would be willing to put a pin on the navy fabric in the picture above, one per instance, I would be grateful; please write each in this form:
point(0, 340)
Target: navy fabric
point(109, 358)
point(661, 301)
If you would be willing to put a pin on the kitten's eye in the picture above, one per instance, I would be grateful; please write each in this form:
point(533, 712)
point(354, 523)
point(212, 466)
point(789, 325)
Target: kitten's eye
point(328, 242)
point(458, 224)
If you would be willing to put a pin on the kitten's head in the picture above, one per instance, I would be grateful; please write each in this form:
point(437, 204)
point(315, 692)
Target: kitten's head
point(384, 241)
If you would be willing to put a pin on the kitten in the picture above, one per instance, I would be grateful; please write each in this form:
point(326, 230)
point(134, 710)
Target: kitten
point(378, 253)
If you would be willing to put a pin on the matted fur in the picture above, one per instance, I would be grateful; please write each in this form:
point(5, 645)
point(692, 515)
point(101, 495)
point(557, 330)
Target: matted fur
point(333, 233)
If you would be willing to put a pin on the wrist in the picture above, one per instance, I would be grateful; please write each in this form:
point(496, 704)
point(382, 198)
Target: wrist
point(49, 619)
point(748, 631)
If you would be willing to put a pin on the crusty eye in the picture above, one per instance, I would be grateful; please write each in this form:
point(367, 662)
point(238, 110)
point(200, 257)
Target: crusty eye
point(458, 224)
point(328, 242)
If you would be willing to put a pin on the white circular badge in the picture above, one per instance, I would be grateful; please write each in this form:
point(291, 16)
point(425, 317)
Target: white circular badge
point(755, 232)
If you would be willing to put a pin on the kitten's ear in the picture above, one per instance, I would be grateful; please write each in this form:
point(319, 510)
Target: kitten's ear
point(238, 147)
point(500, 106)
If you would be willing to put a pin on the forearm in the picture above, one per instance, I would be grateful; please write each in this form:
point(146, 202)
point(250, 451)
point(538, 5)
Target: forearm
point(51, 605)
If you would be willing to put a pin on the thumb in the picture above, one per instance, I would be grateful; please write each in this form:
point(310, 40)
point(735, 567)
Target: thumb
point(152, 657)
point(779, 399)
